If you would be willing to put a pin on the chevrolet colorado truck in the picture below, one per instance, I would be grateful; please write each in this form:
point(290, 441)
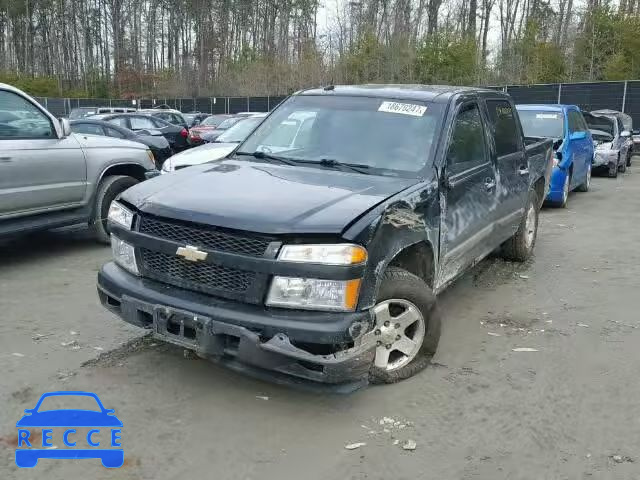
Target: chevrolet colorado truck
point(321, 262)
point(51, 177)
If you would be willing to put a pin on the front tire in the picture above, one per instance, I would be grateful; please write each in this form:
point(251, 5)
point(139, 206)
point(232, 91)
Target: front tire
point(520, 247)
point(108, 190)
point(613, 169)
point(407, 329)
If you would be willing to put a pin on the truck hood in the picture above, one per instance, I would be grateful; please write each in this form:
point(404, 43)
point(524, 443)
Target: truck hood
point(99, 141)
point(264, 198)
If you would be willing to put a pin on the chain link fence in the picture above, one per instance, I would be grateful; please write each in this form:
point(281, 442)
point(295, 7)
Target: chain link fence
point(61, 107)
point(623, 96)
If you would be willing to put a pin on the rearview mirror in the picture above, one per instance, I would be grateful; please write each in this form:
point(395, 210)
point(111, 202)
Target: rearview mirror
point(65, 126)
point(578, 136)
point(625, 134)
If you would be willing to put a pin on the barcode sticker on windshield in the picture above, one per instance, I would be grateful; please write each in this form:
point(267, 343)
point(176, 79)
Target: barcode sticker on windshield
point(403, 108)
point(550, 116)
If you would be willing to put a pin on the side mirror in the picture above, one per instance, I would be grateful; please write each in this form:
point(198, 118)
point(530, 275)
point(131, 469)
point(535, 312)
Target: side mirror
point(625, 134)
point(28, 411)
point(578, 136)
point(66, 127)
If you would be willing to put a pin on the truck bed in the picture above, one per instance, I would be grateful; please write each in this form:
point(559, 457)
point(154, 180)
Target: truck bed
point(540, 157)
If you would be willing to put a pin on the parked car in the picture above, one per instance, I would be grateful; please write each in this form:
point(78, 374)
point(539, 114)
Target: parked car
point(573, 146)
point(214, 125)
point(175, 134)
point(51, 177)
point(82, 112)
point(322, 262)
point(194, 118)
point(215, 150)
point(248, 114)
point(152, 138)
point(174, 117)
point(621, 143)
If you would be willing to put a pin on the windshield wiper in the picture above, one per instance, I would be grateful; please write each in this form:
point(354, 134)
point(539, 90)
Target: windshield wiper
point(356, 167)
point(267, 156)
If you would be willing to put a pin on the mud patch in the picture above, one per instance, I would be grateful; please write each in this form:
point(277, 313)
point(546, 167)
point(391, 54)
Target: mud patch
point(114, 357)
point(495, 271)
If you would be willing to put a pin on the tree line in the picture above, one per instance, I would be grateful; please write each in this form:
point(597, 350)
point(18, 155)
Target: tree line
point(155, 48)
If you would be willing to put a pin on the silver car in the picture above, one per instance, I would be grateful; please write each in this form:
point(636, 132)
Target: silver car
point(51, 177)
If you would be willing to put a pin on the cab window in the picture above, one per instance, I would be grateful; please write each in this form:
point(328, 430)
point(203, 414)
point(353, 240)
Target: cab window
point(504, 128)
point(467, 147)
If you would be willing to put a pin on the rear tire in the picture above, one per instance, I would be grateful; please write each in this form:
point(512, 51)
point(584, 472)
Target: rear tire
point(622, 166)
point(406, 295)
point(519, 248)
point(108, 190)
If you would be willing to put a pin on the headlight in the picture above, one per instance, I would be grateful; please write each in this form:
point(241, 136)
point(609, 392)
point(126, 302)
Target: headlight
point(312, 294)
point(120, 215)
point(340, 254)
point(167, 166)
point(151, 157)
point(124, 255)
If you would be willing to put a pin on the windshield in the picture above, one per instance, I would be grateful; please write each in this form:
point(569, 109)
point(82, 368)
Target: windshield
point(213, 121)
point(240, 130)
point(229, 122)
point(81, 113)
point(376, 132)
point(542, 124)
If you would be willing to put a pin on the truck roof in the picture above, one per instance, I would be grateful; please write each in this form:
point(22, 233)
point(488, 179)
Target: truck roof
point(427, 93)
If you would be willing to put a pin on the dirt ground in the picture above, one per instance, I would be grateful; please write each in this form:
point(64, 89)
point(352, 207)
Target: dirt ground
point(569, 410)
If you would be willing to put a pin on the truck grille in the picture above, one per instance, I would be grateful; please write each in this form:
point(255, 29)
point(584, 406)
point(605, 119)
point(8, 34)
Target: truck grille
point(202, 236)
point(198, 276)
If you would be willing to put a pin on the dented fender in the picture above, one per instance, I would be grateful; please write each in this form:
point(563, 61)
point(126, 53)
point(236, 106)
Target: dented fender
point(403, 220)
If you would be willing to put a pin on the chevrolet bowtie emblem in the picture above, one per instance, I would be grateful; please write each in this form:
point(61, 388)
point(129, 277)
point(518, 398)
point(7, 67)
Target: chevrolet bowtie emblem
point(191, 253)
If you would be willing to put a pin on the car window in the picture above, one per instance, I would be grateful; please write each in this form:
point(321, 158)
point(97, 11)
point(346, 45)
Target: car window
point(69, 402)
point(175, 119)
point(229, 122)
point(88, 128)
point(575, 122)
point(213, 120)
point(120, 121)
point(239, 131)
point(504, 127)
point(112, 132)
point(140, 123)
point(30, 121)
point(467, 147)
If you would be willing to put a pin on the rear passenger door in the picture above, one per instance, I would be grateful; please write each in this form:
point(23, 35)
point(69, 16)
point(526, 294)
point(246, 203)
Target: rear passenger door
point(469, 191)
point(511, 164)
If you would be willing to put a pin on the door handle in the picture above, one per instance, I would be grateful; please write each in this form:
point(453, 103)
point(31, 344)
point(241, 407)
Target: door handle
point(523, 171)
point(489, 184)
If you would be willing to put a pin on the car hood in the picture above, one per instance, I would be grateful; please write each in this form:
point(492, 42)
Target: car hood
point(264, 198)
point(100, 141)
point(204, 153)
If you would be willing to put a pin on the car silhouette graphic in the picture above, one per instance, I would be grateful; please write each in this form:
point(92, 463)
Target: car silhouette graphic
point(28, 457)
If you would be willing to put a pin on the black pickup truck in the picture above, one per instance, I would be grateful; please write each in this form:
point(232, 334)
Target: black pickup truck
point(315, 251)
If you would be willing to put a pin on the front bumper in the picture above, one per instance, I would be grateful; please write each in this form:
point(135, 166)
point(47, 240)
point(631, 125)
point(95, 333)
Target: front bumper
point(556, 184)
point(274, 343)
point(605, 158)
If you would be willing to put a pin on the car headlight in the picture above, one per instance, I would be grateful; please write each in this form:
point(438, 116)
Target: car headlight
point(120, 215)
point(151, 157)
point(167, 166)
point(314, 294)
point(124, 255)
point(340, 254)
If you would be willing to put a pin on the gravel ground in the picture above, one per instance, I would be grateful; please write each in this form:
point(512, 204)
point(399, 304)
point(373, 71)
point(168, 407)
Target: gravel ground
point(569, 409)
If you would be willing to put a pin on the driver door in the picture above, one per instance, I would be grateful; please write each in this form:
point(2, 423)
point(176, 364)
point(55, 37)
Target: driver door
point(38, 171)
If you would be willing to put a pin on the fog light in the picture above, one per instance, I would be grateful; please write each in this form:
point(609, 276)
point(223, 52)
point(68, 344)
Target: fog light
point(124, 255)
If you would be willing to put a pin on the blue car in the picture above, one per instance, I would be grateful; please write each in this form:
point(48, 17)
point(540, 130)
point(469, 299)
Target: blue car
point(28, 457)
point(573, 147)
